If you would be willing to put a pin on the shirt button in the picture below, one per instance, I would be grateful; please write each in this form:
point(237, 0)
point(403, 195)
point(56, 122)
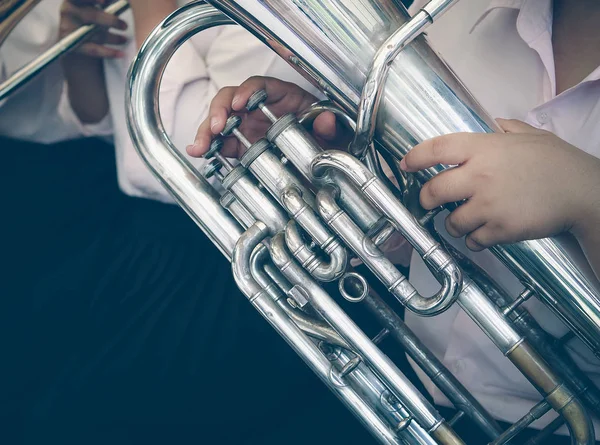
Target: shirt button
point(543, 117)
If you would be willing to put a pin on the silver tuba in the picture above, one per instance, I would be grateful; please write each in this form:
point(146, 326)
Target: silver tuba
point(283, 237)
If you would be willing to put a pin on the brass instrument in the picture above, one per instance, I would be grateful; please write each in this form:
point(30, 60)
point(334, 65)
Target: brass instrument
point(15, 14)
point(282, 238)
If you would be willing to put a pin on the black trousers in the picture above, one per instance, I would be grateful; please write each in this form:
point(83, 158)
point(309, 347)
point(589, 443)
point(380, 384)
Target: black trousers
point(122, 323)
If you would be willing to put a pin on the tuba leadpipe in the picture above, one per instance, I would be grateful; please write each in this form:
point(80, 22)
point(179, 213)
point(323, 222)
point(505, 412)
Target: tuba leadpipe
point(60, 48)
point(258, 250)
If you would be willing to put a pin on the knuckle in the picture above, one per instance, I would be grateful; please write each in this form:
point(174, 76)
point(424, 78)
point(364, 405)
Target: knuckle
point(476, 241)
point(439, 146)
point(454, 225)
point(66, 8)
point(434, 189)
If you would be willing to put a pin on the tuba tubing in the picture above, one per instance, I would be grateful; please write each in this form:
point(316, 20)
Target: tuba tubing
point(249, 245)
point(334, 43)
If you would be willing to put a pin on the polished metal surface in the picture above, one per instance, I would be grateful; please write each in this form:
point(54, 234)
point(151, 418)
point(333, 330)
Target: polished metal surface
point(191, 191)
point(333, 42)
point(425, 413)
point(66, 44)
point(201, 202)
point(374, 85)
point(282, 240)
point(242, 272)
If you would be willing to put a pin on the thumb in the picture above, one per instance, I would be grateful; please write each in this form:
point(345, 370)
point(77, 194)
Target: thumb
point(324, 126)
point(517, 126)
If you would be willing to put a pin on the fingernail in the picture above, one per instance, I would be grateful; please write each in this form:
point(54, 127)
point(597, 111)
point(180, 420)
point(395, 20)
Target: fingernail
point(214, 122)
point(403, 164)
point(193, 149)
point(235, 100)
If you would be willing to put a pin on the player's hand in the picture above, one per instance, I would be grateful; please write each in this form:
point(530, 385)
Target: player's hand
point(283, 98)
point(524, 184)
point(77, 13)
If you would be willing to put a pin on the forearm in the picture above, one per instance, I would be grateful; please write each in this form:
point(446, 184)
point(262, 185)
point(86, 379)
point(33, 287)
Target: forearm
point(86, 87)
point(147, 15)
point(587, 226)
point(588, 236)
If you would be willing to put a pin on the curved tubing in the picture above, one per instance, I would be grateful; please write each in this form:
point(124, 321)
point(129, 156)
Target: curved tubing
point(374, 259)
point(401, 387)
point(191, 191)
point(311, 354)
point(314, 328)
point(441, 264)
point(560, 397)
point(374, 85)
point(429, 363)
point(556, 355)
point(304, 215)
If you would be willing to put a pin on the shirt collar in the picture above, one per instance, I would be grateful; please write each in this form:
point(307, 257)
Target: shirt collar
point(535, 16)
point(534, 21)
point(534, 26)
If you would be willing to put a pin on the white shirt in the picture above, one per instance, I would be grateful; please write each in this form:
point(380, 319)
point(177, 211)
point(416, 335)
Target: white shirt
point(40, 111)
point(209, 61)
point(503, 54)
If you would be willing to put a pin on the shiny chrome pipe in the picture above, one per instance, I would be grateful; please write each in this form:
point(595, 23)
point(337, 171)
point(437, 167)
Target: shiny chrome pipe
point(365, 209)
point(401, 387)
point(439, 262)
point(361, 377)
point(201, 202)
point(311, 354)
point(333, 43)
point(63, 46)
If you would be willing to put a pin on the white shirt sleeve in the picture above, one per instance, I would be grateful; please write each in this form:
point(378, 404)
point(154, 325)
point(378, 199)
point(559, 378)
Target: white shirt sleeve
point(183, 102)
point(103, 128)
point(209, 61)
point(40, 110)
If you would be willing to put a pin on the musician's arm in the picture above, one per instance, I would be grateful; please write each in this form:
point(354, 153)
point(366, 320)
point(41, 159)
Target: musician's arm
point(524, 184)
point(149, 13)
point(587, 228)
point(84, 68)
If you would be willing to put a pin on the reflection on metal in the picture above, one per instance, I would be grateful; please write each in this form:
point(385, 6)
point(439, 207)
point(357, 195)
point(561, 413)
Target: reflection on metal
point(293, 214)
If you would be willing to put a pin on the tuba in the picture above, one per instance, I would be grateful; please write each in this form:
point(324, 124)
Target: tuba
point(284, 237)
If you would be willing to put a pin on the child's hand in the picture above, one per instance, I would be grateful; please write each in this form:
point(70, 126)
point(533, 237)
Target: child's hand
point(76, 13)
point(524, 184)
point(283, 97)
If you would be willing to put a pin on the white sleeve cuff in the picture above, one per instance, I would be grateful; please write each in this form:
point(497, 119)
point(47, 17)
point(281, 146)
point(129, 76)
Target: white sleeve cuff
point(102, 128)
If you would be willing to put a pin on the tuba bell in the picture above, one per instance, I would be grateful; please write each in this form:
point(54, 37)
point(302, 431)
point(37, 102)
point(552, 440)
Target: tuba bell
point(283, 237)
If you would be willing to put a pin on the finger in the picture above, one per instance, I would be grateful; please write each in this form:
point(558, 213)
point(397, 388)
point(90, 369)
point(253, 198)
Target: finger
point(100, 52)
point(449, 149)
point(231, 148)
point(93, 16)
point(325, 126)
point(464, 220)
point(219, 110)
point(276, 89)
point(109, 38)
point(452, 185)
point(517, 126)
point(88, 2)
point(481, 239)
